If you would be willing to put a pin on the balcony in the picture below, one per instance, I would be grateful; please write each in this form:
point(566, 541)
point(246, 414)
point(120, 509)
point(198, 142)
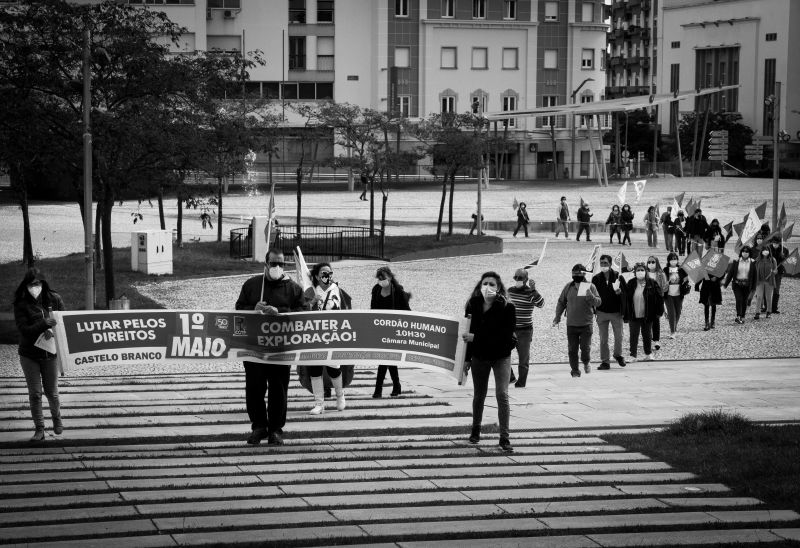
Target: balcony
point(633, 60)
point(615, 61)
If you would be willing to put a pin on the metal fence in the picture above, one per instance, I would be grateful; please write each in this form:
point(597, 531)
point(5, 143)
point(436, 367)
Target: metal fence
point(241, 244)
point(317, 242)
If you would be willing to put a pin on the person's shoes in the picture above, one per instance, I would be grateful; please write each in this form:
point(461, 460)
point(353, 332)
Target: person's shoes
point(275, 438)
point(395, 391)
point(673, 335)
point(577, 239)
point(519, 384)
point(475, 436)
point(38, 435)
point(513, 378)
point(768, 314)
point(757, 316)
point(340, 403)
point(620, 361)
point(605, 366)
point(588, 240)
point(58, 427)
point(775, 312)
point(505, 445)
point(711, 325)
point(648, 357)
point(632, 359)
point(378, 393)
point(656, 346)
point(587, 368)
point(738, 320)
point(514, 235)
point(707, 327)
point(317, 410)
point(576, 373)
point(256, 436)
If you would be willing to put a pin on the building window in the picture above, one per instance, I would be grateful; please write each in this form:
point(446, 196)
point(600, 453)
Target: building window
point(772, 36)
point(551, 11)
point(587, 12)
point(550, 58)
point(324, 11)
point(401, 8)
point(549, 101)
point(448, 104)
point(221, 4)
point(509, 103)
point(478, 101)
point(297, 11)
point(220, 43)
point(587, 59)
point(297, 53)
point(479, 9)
point(325, 53)
point(405, 105)
point(159, 2)
point(510, 9)
point(448, 8)
point(480, 58)
point(449, 58)
point(511, 58)
point(401, 57)
point(675, 45)
point(586, 119)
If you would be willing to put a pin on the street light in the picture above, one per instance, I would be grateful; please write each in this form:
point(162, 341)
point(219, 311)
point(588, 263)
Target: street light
point(574, 93)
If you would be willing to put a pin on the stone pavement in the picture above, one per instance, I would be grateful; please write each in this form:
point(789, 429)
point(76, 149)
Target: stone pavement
point(160, 461)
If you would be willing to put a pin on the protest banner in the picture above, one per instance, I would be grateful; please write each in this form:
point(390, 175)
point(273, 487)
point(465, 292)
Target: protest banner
point(693, 266)
point(791, 265)
point(393, 337)
point(620, 263)
point(715, 263)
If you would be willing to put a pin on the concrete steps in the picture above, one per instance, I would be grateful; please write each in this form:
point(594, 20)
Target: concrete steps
point(180, 474)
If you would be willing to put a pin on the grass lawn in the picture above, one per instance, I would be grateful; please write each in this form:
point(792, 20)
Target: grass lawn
point(754, 460)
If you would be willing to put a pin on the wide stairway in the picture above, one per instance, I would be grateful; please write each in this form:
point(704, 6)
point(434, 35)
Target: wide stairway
point(161, 461)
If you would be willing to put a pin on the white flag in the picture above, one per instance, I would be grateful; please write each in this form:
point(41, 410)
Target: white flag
point(639, 186)
point(751, 228)
point(675, 209)
point(622, 192)
point(302, 273)
point(593, 264)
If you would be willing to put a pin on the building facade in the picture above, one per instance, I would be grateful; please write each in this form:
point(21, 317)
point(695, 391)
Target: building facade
point(632, 47)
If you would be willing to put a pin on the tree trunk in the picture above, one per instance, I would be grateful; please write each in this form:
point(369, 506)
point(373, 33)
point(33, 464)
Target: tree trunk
point(441, 206)
point(372, 205)
point(450, 204)
point(98, 247)
point(180, 219)
point(161, 207)
point(219, 209)
point(108, 249)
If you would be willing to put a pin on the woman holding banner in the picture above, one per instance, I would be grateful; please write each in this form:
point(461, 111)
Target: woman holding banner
point(489, 344)
point(388, 294)
point(34, 302)
point(326, 295)
point(742, 272)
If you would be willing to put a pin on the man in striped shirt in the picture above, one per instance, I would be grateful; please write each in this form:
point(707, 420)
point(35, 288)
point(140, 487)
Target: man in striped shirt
point(524, 297)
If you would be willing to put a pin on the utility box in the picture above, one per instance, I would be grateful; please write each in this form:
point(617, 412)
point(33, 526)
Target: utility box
point(151, 251)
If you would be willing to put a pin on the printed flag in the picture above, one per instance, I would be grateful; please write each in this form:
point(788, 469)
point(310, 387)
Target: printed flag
point(620, 263)
point(737, 228)
point(271, 220)
point(782, 218)
point(693, 266)
point(675, 208)
point(726, 230)
point(639, 187)
point(302, 273)
point(751, 227)
point(537, 262)
point(515, 204)
point(690, 207)
point(791, 264)
point(716, 263)
point(593, 263)
point(622, 192)
point(787, 232)
point(679, 199)
point(761, 210)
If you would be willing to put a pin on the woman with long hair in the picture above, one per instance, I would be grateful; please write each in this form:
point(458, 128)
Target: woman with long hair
point(742, 273)
point(651, 225)
point(615, 224)
point(643, 301)
point(679, 224)
point(656, 273)
point(677, 287)
point(489, 344)
point(388, 294)
point(766, 270)
point(34, 302)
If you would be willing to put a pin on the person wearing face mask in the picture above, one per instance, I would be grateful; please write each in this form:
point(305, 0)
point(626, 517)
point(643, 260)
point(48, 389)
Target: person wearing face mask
point(388, 294)
point(325, 295)
point(584, 218)
point(651, 225)
point(677, 287)
point(524, 297)
point(710, 297)
point(714, 238)
point(696, 227)
point(644, 299)
point(578, 301)
point(490, 341)
point(766, 269)
point(34, 301)
point(271, 293)
point(779, 253)
point(615, 224)
point(656, 273)
point(562, 217)
point(626, 215)
point(610, 288)
point(678, 226)
point(522, 219)
point(742, 273)
point(669, 229)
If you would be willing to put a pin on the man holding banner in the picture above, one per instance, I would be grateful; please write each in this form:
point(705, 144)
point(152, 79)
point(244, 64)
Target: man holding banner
point(271, 293)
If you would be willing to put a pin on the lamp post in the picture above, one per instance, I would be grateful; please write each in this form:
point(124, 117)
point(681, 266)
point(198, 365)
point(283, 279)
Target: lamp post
point(88, 242)
point(572, 96)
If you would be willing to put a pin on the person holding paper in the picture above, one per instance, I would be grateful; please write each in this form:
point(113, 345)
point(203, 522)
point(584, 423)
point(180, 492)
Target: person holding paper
point(524, 297)
point(388, 294)
point(489, 344)
point(271, 293)
point(578, 301)
point(610, 287)
point(644, 300)
point(34, 301)
point(742, 273)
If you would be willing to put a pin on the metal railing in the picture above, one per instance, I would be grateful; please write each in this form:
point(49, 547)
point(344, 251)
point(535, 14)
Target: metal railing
point(241, 244)
point(327, 242)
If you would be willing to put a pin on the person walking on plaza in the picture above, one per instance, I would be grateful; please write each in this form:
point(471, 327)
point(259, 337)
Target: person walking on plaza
point(388, 294)
point(522, 219)
point(578, 301)
point(651, 225)
point(710, 297)
point(626, 215)
point(742, 273)
point(562, 217)
point(270, 293)
point(644, 299)
point(475, 224)
point(668, 228)
point(524, 297)
point(696, 228)
point(656, 273)
point(677, 287)
point(34, 302)
point(766, 270)
point(610, 287)
point(678, 226)
point(584, 218)
point(714, 238)
point(364, 186)
point(489, 344)
point(779, 253)
point(615, 224)
point(326, 295)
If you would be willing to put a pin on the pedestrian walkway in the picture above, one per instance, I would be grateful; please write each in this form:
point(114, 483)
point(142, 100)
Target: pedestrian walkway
point(161, 461)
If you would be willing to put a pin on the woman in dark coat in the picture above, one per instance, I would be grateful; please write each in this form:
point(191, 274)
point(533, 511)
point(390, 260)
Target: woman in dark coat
point(626, 215)
point(388, 294)
point(614, 223)
point(710, 297)
point(742, 273)
point(644, 300)
point(34, 302)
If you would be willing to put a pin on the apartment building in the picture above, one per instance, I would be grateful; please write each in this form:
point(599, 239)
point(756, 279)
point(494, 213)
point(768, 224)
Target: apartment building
point(632, 47)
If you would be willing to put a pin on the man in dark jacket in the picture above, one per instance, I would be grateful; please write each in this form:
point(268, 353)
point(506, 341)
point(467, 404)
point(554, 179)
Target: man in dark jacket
point(271, 293)
point(578, 300)
point(584, 217)
point(609, 286)
point(779, 253)
point(696, 227)
point(669, 229)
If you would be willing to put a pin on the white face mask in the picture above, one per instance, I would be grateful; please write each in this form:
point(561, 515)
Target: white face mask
point(276, 272)
point(519, 283)
point(765, 253)
point(488, 292)
point(673, 262)
point(604, 269)
point(35, 291)
point(640, 274)
point(384, 283)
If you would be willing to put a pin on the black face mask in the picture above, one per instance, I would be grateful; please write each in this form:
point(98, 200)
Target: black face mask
point(577, 278)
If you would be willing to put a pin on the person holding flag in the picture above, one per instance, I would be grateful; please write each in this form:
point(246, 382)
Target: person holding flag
point(678, 226)
point(609, 286)
point(524, 297)
point(578, 301)
point(615, 224)
point(626, 216)
point(779, 253)
point(522, 219)
point(742, 273)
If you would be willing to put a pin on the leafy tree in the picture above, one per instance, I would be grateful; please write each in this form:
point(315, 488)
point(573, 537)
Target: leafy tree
point(739, 134)
point(308, 136)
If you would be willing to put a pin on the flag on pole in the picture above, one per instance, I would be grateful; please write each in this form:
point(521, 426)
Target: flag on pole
point(639, 187)
point(622, 192)
point(515, 204)
point(737, 228)
point(726, 230)
point(716, 263)
point(782, 218)
point(694, 268)
point(658, 211)
point(787, 232)
point(582, 202)
point(302, 273)
point(593, 264)
point(751, 227)
point(270, 216)
point(537, 262)
point(620, 262)
point(791, 264)
point(675, 208)
point(690, 207)
point(679, 199)
point(761, 210)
